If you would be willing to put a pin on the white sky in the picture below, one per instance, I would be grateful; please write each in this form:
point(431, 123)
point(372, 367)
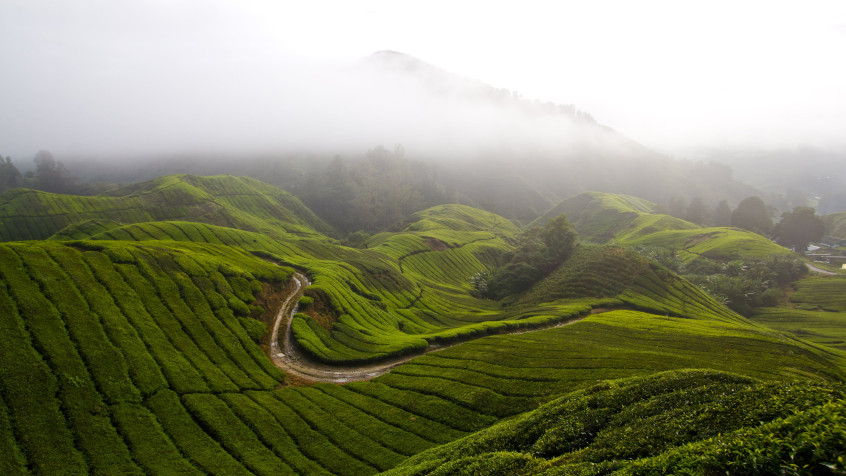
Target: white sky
point(89, 75)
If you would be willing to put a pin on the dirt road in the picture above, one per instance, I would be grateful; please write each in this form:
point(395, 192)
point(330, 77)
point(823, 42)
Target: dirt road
point(293, 361)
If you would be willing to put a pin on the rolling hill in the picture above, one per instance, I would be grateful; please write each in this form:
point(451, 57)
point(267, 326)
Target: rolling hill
point(835, 224)
point(228, 201)
point(139, 345)
point(603, 217)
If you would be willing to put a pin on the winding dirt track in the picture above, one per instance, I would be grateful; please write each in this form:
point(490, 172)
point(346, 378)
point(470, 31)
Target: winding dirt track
point(290, 359)
point(820, 271)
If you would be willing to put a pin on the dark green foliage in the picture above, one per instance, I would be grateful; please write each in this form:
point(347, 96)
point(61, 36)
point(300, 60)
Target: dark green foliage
point(369, 194)
point(751, 214)
point(721, 216)
point(593, 271)
point(238, 306)
point(12, 459)
point(271, 433)
point(30, 391)
point(696, 212)
point(315, 445)
point(540, 250)
point(809, 442)
point(614, 424)
point(225, 427)
point(10, 177)
point(50, 175)
point(744, 285)
point(255, 329)
point(191, 439)
point(150, 446)
point(514, 278)
point(799, 228)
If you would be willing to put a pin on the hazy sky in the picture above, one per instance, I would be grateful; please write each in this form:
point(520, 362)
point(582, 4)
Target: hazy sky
point(104, 76)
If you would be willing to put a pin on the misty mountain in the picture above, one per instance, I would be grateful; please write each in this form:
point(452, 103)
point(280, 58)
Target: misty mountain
point(479, 145)
point(791, 177)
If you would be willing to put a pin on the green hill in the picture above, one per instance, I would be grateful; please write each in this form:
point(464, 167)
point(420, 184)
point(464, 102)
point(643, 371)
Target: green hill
point(221, 200)
point(835, 224)
point(603, 217)
point(713, 243)
point(815, 311)
point(139, 346)
point(690, 422)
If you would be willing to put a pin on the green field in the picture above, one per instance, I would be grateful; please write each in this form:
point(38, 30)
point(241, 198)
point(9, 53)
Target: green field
point(134, 341)
point(815, 312)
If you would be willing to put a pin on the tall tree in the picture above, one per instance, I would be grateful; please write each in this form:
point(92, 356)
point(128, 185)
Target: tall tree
point(799, 228)
point(50, 175)
point(751, 214)
point(722, 214)
point(10, 177)
point(678, 207)
point(696, 212)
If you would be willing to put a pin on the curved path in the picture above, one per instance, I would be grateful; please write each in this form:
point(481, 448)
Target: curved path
point(290, 359)
point(818, 270)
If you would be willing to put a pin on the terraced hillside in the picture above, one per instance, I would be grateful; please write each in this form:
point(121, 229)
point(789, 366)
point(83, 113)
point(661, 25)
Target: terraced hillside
point(142, 347)
point(602, 217)
point(688, 422)
point(816, 311)
point(222, 200)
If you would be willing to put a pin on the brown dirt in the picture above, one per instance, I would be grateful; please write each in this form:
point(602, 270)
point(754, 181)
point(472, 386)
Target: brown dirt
point(435, 244)
point(320, 310)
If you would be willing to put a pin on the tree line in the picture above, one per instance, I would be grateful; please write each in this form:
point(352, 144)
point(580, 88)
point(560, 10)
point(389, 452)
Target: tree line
point(49, 175)
point(796, 229)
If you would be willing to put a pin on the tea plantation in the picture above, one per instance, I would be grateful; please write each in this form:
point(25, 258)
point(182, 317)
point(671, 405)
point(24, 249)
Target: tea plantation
point(135, 341)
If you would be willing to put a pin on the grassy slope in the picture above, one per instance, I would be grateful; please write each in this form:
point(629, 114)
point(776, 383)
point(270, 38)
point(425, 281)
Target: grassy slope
point(168, 374)
point(222, 200)
point(171, 390)
point(600, 216)
point(816, 311)
point(603, 217)
point(836, 224)
point(713, 243)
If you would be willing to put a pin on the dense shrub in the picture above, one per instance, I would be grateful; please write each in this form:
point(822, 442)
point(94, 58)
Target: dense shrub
point(745, 284)
point(540, 250)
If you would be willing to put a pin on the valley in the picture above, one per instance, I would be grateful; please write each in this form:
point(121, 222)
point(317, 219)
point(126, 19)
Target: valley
point(219, 329)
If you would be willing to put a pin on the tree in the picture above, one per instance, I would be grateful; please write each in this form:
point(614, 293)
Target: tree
point(50, 175)
point(559, 239)
point(751, 214)
point(722, 214)
point(799, 228)
point(678, 207)
point(696, 212)
point(10, 177)
point(541, 249)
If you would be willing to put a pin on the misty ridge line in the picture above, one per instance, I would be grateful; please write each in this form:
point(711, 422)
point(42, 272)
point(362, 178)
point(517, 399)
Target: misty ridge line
point(386, 98)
